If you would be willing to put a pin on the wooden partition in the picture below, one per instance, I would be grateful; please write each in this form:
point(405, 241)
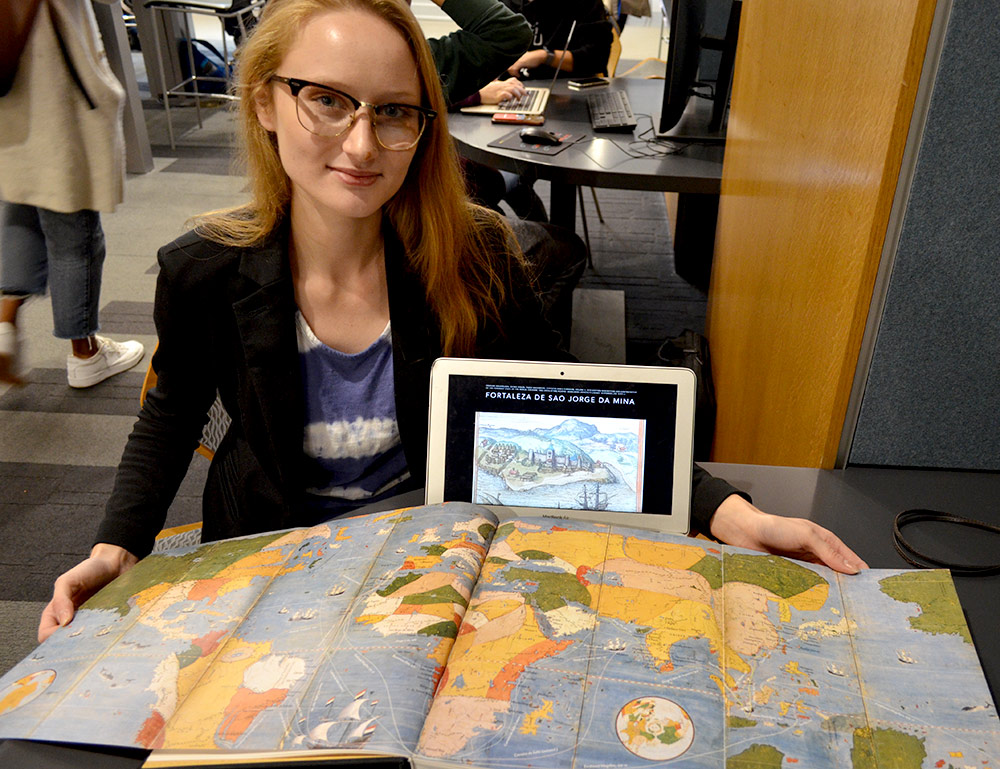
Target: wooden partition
point(822, 99)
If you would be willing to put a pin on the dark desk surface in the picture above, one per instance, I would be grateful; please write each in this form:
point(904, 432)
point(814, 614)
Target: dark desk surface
point(857, 503)
point(597, 160)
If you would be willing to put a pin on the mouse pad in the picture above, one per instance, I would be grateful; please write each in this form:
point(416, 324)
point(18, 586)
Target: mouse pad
point(512, 141)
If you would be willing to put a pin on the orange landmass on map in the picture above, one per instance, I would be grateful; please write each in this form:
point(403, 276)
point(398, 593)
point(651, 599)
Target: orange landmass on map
point(243, 708)
point(504, 681)
point(151, 733)
point(209, 642)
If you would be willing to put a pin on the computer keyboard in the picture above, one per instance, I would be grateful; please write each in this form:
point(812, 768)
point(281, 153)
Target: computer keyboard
point(610, 111)
point(526, 102)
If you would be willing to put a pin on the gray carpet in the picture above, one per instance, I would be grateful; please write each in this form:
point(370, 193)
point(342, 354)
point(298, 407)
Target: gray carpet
point(59, 447)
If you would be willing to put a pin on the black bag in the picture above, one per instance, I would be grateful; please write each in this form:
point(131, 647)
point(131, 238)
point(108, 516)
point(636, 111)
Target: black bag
point(16, 33)
point(208, 62)
point(690, 350)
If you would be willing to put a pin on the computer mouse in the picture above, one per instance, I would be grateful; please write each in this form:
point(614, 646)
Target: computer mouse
point(536, 135)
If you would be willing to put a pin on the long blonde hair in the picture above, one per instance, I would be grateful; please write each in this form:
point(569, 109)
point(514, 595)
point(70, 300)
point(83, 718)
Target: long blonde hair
point(459, 250)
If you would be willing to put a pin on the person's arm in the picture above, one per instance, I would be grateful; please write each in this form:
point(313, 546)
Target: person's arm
point(589, 48)
point(728, 514)
point(738, 522)
point(79, 583)
point(489, 38)
point(540, 57)
point(501, 90)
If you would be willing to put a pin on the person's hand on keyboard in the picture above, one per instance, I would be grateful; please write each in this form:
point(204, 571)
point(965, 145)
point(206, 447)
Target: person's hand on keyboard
point(500, 91)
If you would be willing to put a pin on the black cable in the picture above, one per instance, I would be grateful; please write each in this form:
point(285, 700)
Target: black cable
point(914, 557)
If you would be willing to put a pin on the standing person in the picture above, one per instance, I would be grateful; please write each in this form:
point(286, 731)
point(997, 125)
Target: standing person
point(61, 162)
point(620, 10)
point(319, 307)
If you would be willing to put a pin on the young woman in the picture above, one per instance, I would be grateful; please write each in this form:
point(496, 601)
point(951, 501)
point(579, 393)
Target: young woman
point(316, 311)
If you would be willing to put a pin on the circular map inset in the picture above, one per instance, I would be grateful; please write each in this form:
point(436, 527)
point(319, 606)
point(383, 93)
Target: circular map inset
point(654, 728)
point(24, 690)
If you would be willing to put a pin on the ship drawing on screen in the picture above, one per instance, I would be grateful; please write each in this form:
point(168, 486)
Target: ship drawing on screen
point(559, 462)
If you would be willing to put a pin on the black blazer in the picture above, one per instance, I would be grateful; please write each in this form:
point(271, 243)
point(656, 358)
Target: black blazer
point(225, 318)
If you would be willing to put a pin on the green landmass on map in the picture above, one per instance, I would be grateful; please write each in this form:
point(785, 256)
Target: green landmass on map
point(553, 591)
point(710, 568)
point(443, 594)
point(434, 549)
point(886, 747)
point(156, 569)
point(738, 722)
point(446, 629)
point(757, 757)
point(397, 583)
point(486, 532)
point(782, 577)
point(535, 555)
point(842, 723)
point(940, 610)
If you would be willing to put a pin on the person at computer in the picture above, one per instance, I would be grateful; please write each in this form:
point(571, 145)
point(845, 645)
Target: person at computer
point(550, 20)
point(489, 38)
point(586, 54)
point(316, 310)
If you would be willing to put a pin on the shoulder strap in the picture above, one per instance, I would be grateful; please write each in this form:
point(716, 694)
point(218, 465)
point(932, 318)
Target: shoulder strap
point(914, 557)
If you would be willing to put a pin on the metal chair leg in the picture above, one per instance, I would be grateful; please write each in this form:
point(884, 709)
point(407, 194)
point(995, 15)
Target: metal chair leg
point(586, 232)
point(597, 205)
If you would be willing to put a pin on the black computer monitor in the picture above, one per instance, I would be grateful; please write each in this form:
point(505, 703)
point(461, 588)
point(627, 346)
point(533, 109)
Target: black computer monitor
point(681, 117)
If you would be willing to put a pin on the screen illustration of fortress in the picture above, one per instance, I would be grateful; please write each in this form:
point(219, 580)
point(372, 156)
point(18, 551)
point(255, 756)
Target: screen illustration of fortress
point(560, 462)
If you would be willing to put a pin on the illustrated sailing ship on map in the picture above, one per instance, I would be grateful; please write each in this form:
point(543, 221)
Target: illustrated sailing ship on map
point(456, 640)
point(347, 728)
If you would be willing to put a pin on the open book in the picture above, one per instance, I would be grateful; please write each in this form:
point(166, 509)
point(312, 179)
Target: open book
point(440, 635)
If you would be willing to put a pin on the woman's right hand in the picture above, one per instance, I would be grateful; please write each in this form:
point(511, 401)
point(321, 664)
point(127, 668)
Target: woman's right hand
point(79, 583)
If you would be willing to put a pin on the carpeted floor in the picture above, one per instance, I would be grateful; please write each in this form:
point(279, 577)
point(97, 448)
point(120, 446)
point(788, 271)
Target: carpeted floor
point(59, 447)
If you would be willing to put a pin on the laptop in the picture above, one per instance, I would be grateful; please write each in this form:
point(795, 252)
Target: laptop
point(610, 443)
point(534, 100)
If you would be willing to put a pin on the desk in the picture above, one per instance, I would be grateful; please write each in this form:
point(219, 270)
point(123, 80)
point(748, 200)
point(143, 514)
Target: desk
point(857, 503)
point(604, 161)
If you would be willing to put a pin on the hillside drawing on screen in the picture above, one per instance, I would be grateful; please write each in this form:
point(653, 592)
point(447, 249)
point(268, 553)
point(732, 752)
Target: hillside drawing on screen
point(559, 462)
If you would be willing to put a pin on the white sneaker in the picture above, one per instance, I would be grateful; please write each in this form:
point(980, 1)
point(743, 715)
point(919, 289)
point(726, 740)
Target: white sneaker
point(10, 355)
point(111, 358)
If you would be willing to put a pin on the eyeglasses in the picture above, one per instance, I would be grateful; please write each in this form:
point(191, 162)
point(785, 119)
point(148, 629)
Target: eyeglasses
point(326, 111)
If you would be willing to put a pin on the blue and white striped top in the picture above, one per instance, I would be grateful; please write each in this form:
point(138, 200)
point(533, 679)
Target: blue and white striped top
point(350, 435)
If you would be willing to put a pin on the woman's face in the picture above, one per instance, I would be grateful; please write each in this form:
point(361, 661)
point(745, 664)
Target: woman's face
point(350, 176)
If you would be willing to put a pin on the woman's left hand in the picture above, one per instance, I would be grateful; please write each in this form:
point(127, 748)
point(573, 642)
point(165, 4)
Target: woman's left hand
point(737, 522)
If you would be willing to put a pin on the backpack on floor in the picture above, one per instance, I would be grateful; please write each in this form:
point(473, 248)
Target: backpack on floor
point(208, 62)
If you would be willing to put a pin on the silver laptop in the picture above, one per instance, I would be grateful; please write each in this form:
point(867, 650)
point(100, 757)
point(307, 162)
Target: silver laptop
point(533, 101)
point(585, 441)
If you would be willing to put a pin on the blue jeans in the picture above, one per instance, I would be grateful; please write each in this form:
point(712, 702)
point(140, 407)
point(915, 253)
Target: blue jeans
point(64, 252)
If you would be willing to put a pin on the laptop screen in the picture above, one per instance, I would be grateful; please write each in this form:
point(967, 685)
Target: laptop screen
point(562, 444)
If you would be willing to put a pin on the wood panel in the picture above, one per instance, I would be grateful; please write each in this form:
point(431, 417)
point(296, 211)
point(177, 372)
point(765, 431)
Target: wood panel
point(821, 105)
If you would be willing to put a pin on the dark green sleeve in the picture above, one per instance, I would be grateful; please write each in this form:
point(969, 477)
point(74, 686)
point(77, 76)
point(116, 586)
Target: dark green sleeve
point(490, 38)
point(707, 493)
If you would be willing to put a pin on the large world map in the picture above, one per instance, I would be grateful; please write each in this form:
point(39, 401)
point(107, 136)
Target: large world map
point(445, 636)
